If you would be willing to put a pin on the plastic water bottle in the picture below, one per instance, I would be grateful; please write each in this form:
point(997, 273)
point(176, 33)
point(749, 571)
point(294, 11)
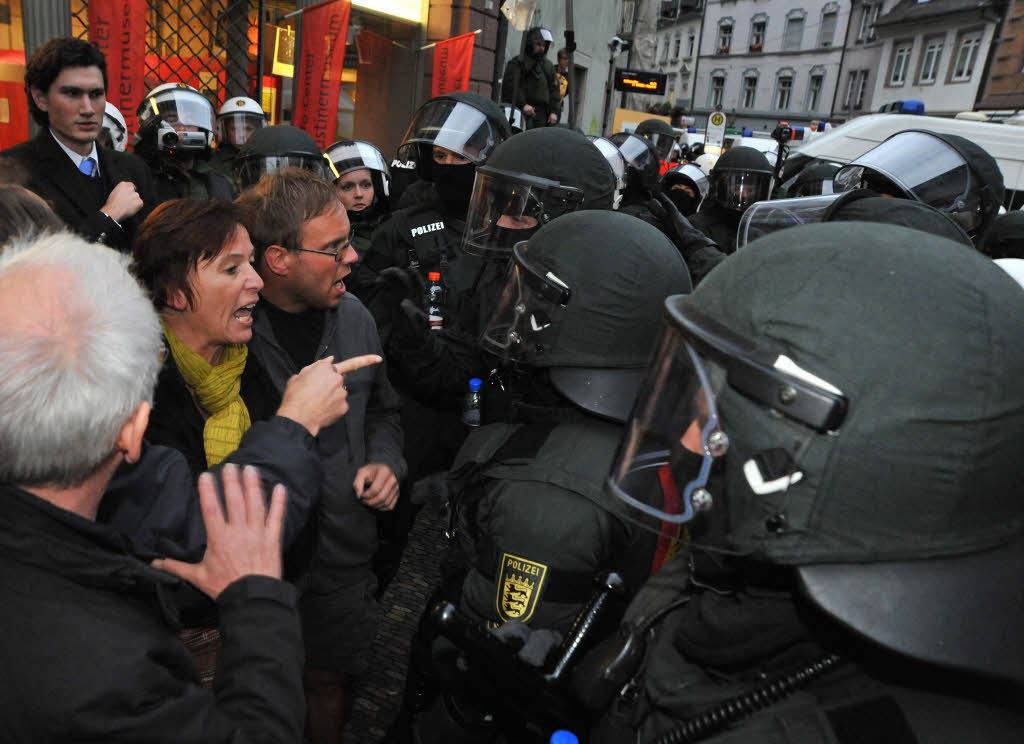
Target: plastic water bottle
point(435, 299)
point(471, 407)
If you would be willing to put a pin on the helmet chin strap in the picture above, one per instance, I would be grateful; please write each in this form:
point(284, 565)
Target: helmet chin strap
point(771, 471)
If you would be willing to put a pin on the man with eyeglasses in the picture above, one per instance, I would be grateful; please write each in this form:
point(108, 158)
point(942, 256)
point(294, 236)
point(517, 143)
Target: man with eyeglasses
point(304, 253)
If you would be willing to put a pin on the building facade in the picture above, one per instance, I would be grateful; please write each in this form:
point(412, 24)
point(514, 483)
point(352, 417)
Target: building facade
point(1003, 86)
point(765, 61)
point(933, 51)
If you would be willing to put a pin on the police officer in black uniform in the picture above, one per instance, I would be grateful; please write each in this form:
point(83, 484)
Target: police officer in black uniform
point(854, 549)
point(175, 138)
point(364, 181)
point(662, 137)
point(945, 171)
point(741, 177)
point(281, 146)
point(580, 312)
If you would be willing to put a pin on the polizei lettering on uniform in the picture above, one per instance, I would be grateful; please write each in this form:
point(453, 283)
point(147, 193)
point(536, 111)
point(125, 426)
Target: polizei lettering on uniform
point(424, 229)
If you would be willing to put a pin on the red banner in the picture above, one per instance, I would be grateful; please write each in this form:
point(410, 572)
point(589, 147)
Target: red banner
point(318, 85)
point(118, 28)
point(453, 59)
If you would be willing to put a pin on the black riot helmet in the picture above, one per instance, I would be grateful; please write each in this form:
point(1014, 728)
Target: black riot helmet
point(531, 179)
point(813, 180)
point(945, 171)
point(617, 163)
point(353, 155)
point(660, 134)
point(882, 467)
point(741, 177)
point(282, 146)
point(686, 185)
point(583, 300)
point(467, 124)
point(642, 165)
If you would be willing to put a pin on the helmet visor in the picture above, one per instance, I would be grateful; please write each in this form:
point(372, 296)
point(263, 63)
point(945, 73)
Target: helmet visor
point(507, 208)
point(680, 421)
point(236, 129)
point(737, 189)
point(924, 168)
point(184, 110)
point(455, 126)
point(635, 151)
point(355, 155)
point(526, 319)
point(662, 143)
point(113, 133)
point(613, 156)
point(766, 217)
point(250, 170)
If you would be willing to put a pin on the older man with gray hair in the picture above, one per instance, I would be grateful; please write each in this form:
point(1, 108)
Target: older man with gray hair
point(87, 630)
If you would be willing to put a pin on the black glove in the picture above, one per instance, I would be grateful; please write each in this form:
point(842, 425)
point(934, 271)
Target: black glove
point(410, 325)
point(398, 284)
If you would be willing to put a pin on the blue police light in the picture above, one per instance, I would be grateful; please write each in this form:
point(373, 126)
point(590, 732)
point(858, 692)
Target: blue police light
point(691, 130)
point(747, 133)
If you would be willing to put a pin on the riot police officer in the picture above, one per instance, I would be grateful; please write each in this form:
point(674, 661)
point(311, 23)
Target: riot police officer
point(175, 138)
point(114, 132)
point(281, 146)
point(237, 120)
point(851, 569)
point(364, 182)
point(662, 137)
point(944, 171)
point(740, 177)
point(580, 313)
point(686, 186)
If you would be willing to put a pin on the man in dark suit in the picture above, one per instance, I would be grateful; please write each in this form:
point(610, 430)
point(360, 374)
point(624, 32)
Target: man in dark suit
point(100, 193)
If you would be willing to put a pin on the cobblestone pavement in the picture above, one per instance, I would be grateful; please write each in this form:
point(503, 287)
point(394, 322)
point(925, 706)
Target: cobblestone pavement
point(379, 696)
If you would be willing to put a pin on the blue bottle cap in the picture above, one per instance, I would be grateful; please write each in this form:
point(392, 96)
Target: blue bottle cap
point(475, 383)
point(564, 737)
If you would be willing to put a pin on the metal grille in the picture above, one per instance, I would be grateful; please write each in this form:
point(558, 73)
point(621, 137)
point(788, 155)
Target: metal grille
point(212, 45)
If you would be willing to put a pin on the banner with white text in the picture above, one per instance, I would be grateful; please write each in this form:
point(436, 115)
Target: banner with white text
point(318, 85)
point(118, 28)
point(453, 59)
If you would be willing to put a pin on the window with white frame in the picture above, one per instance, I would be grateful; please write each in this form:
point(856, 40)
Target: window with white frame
point(794, 33)
point(757, 32)
point(868, 16)
point(724, 36)
point(829, 19)
point(691, 42)
point(749, 89)
point(930, 59)
point(855, 87)
point(784, 90)
point(677, 43)
point(814, 87)
point(664, 49)
point(900, 62)
point(967, 47)
point(717, 88)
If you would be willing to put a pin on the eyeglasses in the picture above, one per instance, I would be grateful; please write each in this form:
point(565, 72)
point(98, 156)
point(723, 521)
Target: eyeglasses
point(336, 254)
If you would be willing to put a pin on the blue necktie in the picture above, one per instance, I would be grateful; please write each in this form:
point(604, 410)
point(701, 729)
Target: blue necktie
point(88, 167)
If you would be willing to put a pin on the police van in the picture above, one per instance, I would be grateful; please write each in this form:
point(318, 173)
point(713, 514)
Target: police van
point(849, 141)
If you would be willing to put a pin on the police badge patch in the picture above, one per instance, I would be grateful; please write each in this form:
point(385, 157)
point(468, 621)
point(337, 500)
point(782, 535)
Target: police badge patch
point(520, 584)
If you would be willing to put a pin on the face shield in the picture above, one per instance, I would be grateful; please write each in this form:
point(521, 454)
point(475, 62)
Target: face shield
point(357, 155)
point(185, 111)
point(507, 208)
point(453, 125)
point(701, 374)
point(766, 217)
point(640, 158)
point(922, 167)
point(616, 161)
point(662, 143)
point(738, 189)
point(113, 134)
point(526, 319)
point(235, 129)
point(250, 170)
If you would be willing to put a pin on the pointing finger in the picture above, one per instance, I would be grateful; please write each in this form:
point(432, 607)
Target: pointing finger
point(358, 362)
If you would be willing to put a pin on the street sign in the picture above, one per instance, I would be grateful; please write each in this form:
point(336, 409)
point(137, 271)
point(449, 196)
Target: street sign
point(639, 81)
point(714, 137)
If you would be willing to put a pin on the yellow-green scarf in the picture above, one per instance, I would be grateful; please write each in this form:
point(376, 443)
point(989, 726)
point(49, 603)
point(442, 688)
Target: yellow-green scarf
point(218, 390)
